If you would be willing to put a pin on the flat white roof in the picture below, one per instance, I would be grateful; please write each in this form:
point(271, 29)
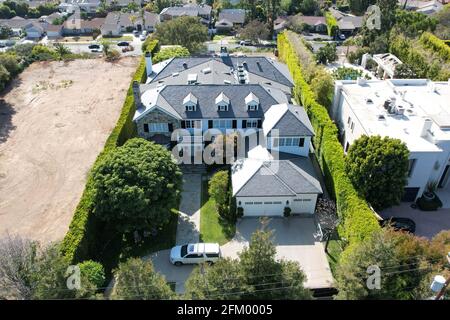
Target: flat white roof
point(419, 98)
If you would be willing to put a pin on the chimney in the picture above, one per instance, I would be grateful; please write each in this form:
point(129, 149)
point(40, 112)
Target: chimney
point(148, 63)
point(137, 94)
point(427, 122)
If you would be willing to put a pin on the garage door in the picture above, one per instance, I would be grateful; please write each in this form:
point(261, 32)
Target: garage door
point(263, 208)
point(303, 206)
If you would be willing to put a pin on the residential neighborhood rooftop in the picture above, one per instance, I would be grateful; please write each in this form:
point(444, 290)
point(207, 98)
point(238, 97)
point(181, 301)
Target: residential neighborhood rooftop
point(414, 101)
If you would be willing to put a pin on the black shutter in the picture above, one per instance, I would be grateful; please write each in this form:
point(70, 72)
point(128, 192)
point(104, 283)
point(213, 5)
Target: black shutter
point(210, 124)
point(234, 126)
point(244, 123)
point(183, 124)
point(145, 127)
point(259, 124)
point(301, 143)
point(170, 127)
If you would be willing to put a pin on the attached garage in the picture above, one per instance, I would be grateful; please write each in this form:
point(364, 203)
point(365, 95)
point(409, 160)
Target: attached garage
point(265, 188)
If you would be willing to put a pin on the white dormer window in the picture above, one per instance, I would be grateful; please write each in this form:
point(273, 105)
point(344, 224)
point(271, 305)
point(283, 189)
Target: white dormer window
point(190, 102)
point(252, 102)
point(222, 102)
point(192, 78)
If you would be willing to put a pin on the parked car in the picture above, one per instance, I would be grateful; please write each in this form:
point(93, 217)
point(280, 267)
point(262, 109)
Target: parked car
point(123, 44)
point(94, 46)
point(342, 37)
point(195, 253)
point(136, 32)
point(95, 50)
point(144, 32)
point(245, 43)
point(400, 224)
point(142, 37)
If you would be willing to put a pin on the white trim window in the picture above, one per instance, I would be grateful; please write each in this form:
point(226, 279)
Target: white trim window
point(289, 142)
point(222, 107)
point(193, 124)
point(252, 123)
point(159, 127)
point(223, 124)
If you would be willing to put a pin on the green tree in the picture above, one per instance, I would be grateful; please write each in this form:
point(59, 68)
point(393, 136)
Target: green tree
point(4, 77)
point(10, 62)
point(359, 7)
point(170, 52)
point(5, 32)
point(378, 169)
point(256, 275)
point(185, 31)
point(93, 272)
point(404, 261)
point(137, 280)
point(255, 31)
point(61, 50)
point(136, 186)
point(6, 12)
point(413, 23)
point(308, 7)
point(327, 53)
point(404, 71)
point(344, 73)
point(106, 46)
point(322, 86)
point(219, 190)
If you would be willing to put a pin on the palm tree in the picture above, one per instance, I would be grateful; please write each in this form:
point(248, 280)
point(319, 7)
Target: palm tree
point(106, 45)
point(61, 50)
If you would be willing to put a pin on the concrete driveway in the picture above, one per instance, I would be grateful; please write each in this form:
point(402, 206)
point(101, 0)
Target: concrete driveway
point(428, 223)
point(294, 239)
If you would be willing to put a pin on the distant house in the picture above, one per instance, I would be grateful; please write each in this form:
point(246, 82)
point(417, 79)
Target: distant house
point(280, 24)
point(123, 3)
point(118, 22)
point(233, 17)
point(54, 31)
point(193, 10)
point(76, 26)
point(348, 24)
point(88, 6)
point(21, 26)
point(425, 7)
point(315, 24)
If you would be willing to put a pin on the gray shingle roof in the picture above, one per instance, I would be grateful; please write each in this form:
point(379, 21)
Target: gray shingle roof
point(295, 122)
point(260, 66)
point(286, 180)
point(233, 15)
point(206, 95)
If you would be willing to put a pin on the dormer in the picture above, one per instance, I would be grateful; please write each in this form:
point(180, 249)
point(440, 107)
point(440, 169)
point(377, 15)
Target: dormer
point(190, 102)
point(222, 102)
point(252, 102)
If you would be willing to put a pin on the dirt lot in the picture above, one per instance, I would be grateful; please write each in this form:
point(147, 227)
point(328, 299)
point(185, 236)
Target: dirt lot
point(53, 123)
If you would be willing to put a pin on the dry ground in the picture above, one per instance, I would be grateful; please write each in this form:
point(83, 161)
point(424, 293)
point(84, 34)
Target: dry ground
point(53, 123)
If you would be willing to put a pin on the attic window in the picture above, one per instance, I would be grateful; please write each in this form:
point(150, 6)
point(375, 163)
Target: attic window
point(222, 107)
point(222, 102)
point(369, 101)
point(381, 117)
point(192, 78)
point(190, 102)
point(252, 102)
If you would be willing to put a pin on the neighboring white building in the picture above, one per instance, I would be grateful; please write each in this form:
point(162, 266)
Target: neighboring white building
point(415, 111)
point(386, 64)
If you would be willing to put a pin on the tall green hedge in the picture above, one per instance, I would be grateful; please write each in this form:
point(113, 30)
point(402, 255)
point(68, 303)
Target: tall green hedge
point(80, 241)
point(357, 219)
point(437, 45)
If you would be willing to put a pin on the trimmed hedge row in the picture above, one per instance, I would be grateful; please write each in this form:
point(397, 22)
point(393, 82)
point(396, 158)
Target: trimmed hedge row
point(437, 45)
point(80, 241)
point(357, 219)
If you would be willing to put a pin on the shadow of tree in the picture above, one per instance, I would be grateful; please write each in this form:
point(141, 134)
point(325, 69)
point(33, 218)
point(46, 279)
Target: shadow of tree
point(6, 113)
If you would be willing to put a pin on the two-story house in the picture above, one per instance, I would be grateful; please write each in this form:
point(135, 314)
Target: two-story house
point(187, 99)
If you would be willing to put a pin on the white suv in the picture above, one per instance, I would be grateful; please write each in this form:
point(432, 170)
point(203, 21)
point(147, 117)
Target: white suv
point(194, 253)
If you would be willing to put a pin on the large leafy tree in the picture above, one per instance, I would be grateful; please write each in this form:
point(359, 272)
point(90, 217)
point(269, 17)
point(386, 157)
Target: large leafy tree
point(327, 53)
point(136, 186)
point(31, 271)
point(255, 31)
point(256, 275)
point(219, 190)
point(185, 31)
point(378, 169)
point(406, 264)
point(137, 280)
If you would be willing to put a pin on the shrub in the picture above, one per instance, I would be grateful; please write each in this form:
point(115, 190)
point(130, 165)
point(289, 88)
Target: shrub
point(437, 45)
point(287, 212)
point(218, 189)
point(358, 220)
point(93, 272)
point(112, 55)
point(240, 212)
point(168, 53)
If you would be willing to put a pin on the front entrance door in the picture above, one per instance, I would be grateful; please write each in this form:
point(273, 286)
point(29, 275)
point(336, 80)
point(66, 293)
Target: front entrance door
point(444, 177)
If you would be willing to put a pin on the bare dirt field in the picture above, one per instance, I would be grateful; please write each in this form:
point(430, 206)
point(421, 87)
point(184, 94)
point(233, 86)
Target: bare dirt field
point(54, 122)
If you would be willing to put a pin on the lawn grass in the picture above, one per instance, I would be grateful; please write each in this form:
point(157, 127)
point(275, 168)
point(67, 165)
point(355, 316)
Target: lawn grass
point(118, 39)
point(212, 227)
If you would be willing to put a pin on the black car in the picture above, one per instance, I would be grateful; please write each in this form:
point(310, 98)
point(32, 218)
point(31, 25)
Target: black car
point(400, 224)
point(123, 44)
point(94, 46)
